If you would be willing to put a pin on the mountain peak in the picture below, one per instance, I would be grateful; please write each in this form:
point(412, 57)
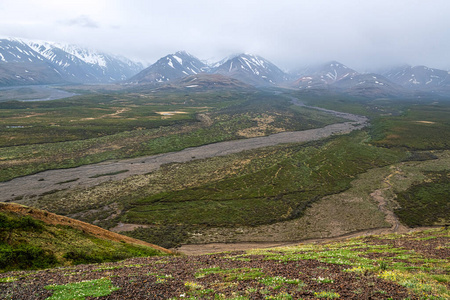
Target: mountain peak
point(183, 53)
point(335, 64)
point(324, 75)
point(170, 67)
point(420, 78)
point(251, 69)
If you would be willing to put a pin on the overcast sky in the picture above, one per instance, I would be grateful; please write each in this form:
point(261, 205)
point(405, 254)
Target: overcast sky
point(362, 34)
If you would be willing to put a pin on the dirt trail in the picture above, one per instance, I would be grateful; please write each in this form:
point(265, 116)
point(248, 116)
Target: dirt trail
point(199, 249)
point(94, 174)
point(390, 217)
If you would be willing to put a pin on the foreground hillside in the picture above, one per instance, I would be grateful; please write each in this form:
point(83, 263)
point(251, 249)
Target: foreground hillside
point(32, 238)
point(410, 266)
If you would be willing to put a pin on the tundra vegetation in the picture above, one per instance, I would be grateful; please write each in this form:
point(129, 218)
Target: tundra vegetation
point(255, 195)
point(182, 202)
point(397, 266)
point(244, 190)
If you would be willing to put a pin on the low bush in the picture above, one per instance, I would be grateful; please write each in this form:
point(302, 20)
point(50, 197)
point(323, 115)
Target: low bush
point(427, 203)
point(25, 256)
point(24, 223)
point(170, 236)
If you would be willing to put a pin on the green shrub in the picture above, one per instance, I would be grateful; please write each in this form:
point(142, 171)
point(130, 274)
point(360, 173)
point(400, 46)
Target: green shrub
point(24, 223)
point(80, 257)
point(426, 203)
point(25, 256)
point(170, 236)
point(108, 251)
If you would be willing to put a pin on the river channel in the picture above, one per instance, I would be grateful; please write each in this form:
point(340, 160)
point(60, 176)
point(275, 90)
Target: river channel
point(47, 181)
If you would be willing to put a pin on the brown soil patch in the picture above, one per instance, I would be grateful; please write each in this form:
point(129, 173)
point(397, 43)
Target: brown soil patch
point(392, 137)
point(260, 130)
point(5, 163)
point(426, 122)
point(119, 111)
point(29, 115)
point(168, 114)
point(122, 227)
point(114, 114)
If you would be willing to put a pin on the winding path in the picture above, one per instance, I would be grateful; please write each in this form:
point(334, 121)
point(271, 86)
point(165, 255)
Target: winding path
point(390, 217)
point(43, 182)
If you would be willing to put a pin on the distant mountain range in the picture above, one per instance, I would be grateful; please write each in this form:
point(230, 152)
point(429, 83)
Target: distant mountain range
point(421, 78)
point(330, 77)
point(29, 62)
point(24, 62)
point(248, 68)
point(397, 82)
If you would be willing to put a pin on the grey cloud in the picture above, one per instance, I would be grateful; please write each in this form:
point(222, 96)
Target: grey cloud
point(81, 21)
point(290, 33)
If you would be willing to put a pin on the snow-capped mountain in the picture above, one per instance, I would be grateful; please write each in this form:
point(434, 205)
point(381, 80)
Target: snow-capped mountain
point(251, 69)
point(369, 85)
point(338, 78)
point(248, 68)
point(35, 62)
point(324, 75)
point(420, 78)
point(169, 68)
point(21, 65)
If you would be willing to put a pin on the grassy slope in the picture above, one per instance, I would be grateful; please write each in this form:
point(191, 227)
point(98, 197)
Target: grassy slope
point(410, 266)
point(31, 238)
point(424, 127)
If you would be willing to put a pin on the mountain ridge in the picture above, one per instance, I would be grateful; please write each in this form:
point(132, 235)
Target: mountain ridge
point(332, 77)
point(420, 78)
point(25, 62)
point(28, 62)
